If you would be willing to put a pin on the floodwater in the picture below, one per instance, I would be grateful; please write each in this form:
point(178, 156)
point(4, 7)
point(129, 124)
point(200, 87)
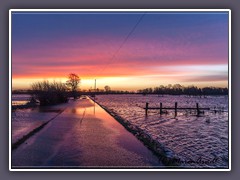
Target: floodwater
point(198, 141)
point(20, 99)
point(83, 135)
point(26, 120)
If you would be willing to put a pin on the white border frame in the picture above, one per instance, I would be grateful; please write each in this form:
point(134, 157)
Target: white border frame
point(116, 10)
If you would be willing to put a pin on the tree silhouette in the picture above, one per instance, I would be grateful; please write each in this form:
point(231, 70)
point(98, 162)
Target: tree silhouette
point(107, 89)
point(72, 82)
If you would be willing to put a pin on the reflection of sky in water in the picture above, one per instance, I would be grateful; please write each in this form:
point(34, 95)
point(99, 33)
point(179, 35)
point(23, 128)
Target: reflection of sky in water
point(83, 135)
point(25, 120)
point(19, 102)
point(20, 99)
point(188, 136)
point(96, 111)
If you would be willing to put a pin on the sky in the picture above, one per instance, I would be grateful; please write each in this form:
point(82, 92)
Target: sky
point(124, 50)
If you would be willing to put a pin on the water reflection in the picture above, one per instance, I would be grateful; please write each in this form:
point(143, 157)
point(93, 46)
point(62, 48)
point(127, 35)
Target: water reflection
point(94, 108)
point(74, 111)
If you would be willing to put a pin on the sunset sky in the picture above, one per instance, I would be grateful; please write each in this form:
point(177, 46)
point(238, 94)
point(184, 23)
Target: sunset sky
point(127, 51)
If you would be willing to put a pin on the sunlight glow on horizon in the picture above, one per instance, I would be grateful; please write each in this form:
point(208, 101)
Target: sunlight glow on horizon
point(126, 83)
point(186, 49)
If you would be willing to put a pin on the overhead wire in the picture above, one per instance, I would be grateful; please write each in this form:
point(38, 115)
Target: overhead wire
point(123, 42)
point(113, 57)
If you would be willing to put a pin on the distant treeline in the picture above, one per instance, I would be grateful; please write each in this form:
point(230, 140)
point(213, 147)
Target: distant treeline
point(175, 89)
point(178, 89)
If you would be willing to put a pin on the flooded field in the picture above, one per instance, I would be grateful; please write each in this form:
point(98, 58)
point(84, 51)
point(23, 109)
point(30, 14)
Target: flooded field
point(198, 141)
point(20, 99)
point(25, 120)
point(82, 136)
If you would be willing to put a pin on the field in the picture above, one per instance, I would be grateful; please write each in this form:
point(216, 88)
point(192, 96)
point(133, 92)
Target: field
point(198, 141)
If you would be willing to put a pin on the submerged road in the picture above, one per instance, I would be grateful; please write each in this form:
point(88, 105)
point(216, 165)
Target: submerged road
point(83, 136)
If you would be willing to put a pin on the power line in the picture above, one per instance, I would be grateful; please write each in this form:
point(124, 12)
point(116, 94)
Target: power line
point(124, 41)
point(121, 45)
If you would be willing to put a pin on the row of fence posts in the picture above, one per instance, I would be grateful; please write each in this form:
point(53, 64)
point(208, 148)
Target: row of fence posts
point(175, 108)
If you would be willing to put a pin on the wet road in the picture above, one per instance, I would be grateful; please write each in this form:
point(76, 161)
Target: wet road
point(83, 136)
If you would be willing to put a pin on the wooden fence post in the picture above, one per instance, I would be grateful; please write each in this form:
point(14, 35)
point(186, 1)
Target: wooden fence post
point(198, 112)
point(175, 108)
point(161, 108)
point(146, 110)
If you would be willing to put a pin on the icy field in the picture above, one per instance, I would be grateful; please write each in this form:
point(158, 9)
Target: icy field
point(197, 141)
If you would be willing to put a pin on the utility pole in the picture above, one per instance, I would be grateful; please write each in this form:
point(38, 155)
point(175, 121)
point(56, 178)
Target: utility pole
point(95, 84)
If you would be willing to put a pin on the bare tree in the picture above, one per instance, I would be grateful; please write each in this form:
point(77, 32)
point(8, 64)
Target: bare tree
point(107, 88)
point(72, 82)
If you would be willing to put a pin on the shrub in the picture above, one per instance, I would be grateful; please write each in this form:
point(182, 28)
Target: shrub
point(49, 93)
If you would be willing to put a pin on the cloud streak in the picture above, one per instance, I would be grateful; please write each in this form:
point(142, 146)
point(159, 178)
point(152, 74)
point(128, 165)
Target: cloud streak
point(53, 46)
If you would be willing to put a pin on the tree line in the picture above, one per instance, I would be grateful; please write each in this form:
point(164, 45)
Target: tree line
point(178, 89)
